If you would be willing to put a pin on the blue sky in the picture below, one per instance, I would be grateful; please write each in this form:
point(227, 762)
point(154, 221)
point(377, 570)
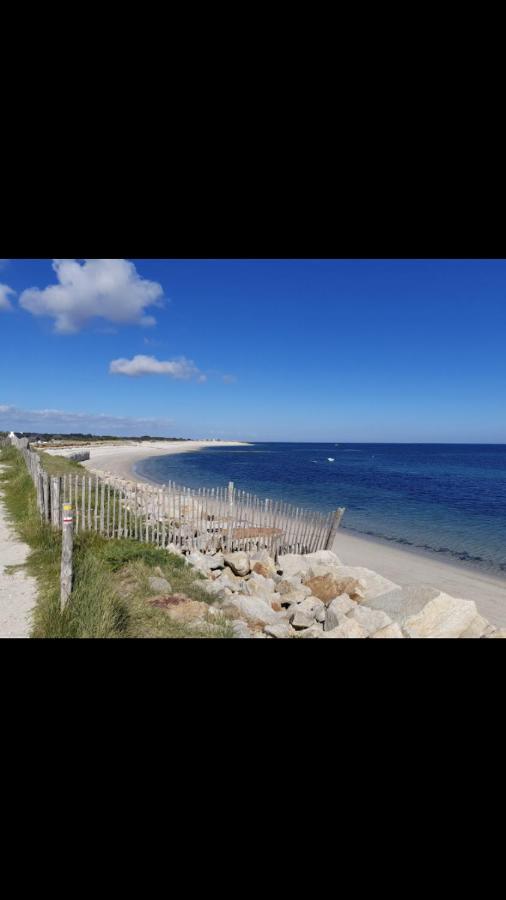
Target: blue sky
point(337, 350)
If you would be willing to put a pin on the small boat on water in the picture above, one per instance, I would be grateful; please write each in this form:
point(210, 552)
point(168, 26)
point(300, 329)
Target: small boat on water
point(330, 459)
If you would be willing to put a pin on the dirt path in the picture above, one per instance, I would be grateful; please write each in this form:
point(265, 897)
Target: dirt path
point(18, 591)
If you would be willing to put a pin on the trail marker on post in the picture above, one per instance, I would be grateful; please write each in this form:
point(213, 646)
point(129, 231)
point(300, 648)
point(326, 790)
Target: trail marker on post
point(66, 557)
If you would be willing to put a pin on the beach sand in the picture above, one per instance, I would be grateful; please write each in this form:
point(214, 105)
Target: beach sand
point(120, 459)
point(404, 567)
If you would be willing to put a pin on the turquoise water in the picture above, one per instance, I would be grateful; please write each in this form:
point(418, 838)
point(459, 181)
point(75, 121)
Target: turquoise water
point(447, 499)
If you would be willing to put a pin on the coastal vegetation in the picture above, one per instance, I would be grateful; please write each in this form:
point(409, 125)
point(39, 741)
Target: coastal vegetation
point(118, 585)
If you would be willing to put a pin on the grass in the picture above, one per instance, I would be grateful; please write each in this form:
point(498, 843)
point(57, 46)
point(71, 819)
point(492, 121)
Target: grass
point(58, 465)
point(110, 597)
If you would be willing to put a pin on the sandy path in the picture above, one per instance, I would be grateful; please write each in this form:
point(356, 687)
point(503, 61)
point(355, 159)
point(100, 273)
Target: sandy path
point(17, 592)
point(407, 568)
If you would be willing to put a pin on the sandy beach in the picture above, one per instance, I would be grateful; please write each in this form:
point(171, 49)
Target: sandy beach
point(404, 567)
point(120, 459)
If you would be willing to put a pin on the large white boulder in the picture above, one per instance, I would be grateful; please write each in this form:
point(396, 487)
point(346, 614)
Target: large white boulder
point(403, 602)
point(314, 631)
point(279, 630)
point(328, 587)
point(258, 585)
point(347, 629)
point(390, 631)
point(326, 557)
point(442, 617)
point(477, 629)
point(254, 609)
point(289, 588)
point(374, 584)
point(294, 564)
point(370, 619)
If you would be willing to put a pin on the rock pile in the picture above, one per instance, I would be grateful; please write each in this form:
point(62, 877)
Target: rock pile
point(315, 596)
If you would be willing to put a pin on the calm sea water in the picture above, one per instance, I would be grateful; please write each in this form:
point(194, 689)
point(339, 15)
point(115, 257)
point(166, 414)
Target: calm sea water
point(441, 498)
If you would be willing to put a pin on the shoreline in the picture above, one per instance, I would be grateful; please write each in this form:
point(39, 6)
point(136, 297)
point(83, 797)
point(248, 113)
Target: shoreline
point(121, 461)
point(402, 565)
point(407, 567)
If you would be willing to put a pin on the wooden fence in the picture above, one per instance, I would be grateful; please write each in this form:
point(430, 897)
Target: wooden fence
point(204, 519)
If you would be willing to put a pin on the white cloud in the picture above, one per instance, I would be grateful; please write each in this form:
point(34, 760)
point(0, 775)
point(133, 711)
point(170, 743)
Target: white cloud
point(109, 289)
point(57, 420)
point(229, 379)
point(5, 292)
point(181, 368)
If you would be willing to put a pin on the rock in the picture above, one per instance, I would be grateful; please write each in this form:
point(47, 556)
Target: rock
point(306, 611)
point(348, 628)
point(370, 619)
point(241, 629)
point(198, 560)
point(390, 631)
point(226, 581)
point(314, 631)
point(477, 628)
point(442, 617)
point(261, 556)
point(254, 609)
point(293, 564)
point(159, 585)
point(489, 630)
point(258, 585)
point(238, 562)
point(262, 563)
point(324, 556)
point(281, 630)
point(287, 585)
point(327, 587)
point(261, 569)
point(374, 585)
point(227, 572)
point(300, 619)
point(300, 590)
point(337, 610)
point(318, 569)
point(321, 615)
point(402, 603)
point(215, 562)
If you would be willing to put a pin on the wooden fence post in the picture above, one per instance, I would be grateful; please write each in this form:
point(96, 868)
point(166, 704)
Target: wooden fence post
point(66, 555)
point(338, 515)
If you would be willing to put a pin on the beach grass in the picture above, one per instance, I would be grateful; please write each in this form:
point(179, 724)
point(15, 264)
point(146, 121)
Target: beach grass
point(59, 465)
point(111, 591)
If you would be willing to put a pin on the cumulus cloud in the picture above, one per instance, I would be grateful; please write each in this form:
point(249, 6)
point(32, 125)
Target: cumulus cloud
point(5, 292)
point(180, 368)
point(109, 289)
point(57, 420)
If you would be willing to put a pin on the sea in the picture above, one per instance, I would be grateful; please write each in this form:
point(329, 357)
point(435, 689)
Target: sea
point(443, 499)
